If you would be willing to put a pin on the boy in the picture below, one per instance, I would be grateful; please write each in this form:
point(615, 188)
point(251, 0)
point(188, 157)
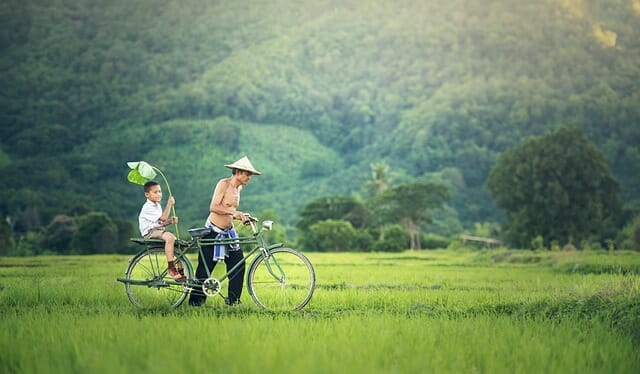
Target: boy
point(152, 221)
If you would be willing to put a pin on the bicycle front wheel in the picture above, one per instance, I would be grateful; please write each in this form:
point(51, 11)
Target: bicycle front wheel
point(149, 286)
point(284, 280)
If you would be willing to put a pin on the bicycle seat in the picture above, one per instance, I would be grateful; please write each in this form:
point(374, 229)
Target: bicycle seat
point(199, 232)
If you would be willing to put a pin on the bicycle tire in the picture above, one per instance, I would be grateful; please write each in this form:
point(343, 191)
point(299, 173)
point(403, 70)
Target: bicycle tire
point(290, 289)
point(147, 289)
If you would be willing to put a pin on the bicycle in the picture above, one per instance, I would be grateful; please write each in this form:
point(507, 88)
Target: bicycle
point(278, 277)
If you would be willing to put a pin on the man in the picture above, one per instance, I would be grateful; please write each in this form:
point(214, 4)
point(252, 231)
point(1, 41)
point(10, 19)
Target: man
point(222, 211)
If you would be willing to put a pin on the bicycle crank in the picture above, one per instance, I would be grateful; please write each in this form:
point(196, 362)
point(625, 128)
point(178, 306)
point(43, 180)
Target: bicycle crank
point(211, 287)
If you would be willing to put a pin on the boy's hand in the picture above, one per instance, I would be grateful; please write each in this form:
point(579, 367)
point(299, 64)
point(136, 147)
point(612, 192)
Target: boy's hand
point(170, 221)
point(171, 201)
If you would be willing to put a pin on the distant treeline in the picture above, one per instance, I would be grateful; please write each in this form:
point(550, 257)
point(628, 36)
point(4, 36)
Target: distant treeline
point(314, 92)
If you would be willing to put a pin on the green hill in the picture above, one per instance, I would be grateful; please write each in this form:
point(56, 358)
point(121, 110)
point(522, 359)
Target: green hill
point(313, 92)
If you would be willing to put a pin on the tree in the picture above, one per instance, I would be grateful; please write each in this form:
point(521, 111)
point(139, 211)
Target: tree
point(6, 239)
point(629, 236)
point(410, 205)
point(331, 235)
point(334, 207)
point(59, 233)
point(378, 181)
point(96, 234)
point(395, 239)
point(557, 186)
point(125, 231)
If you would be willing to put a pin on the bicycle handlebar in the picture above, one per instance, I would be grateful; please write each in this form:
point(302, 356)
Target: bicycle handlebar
point(251, 218)
point(252, 222)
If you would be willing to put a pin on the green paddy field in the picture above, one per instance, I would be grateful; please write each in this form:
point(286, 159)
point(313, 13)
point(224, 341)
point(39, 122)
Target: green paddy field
point(444, 311)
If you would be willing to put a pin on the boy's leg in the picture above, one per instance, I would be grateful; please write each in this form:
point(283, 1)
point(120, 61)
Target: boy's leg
point(169, 251)
point(169, 243)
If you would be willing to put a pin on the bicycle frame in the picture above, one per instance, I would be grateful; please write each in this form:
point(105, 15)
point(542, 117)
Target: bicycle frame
point(184, 247)
point(257, 241)
point(278, 277)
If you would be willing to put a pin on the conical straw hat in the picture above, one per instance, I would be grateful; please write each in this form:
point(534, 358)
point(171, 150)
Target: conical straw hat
point(243, 164)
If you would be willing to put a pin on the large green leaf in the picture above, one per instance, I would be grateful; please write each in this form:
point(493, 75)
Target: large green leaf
point(141, 172)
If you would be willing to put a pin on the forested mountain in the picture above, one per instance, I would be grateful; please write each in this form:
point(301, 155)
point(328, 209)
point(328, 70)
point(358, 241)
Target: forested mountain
point(313, 92)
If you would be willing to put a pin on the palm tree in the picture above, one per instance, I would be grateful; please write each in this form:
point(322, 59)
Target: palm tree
point(377, 183)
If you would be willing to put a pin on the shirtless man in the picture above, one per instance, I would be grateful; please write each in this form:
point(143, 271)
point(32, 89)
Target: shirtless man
point(226, 198)
point(222, 211)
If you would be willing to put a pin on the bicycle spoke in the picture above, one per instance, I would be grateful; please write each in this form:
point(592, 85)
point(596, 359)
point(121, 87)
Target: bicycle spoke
point(284, 281)
point(150, 289)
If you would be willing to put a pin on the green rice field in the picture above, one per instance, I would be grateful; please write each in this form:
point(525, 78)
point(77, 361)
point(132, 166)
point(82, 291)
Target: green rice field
point(444, 311)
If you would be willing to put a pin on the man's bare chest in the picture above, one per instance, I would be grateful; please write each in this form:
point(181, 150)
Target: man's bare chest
point(231, 197)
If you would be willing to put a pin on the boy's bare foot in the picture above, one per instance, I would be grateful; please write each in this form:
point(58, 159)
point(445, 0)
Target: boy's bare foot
point(175, 274)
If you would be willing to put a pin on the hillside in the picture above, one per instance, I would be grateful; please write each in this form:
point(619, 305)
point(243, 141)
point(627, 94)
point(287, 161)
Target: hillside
point(313, 92)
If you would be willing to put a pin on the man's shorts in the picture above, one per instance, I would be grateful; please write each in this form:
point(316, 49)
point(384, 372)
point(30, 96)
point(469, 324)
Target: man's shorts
point(155, 233)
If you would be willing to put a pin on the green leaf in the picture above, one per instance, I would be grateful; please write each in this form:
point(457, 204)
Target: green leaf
point(135, 177)
point(141, 172)
point(143, 168)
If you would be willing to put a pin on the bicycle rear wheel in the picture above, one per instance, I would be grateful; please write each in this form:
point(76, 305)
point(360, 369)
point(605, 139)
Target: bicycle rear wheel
point(283, 281)
point(146, 286)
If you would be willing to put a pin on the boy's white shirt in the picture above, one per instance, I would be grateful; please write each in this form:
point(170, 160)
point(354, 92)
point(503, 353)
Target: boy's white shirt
point(149, 217)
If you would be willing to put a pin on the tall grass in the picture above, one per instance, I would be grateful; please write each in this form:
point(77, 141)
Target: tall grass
point(431, 311)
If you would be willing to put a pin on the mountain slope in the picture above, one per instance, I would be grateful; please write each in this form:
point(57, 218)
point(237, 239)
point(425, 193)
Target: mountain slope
point(313, 92)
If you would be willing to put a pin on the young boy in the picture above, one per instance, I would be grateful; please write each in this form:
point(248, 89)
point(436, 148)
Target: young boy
point(152, 221)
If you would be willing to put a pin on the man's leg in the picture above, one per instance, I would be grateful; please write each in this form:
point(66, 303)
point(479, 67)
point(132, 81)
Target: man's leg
point(198, 298)
point(236, 278)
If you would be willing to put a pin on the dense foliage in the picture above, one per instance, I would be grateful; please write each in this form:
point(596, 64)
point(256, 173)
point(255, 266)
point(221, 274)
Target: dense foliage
point(557, 186)
point(342, 223)
point(314, 92)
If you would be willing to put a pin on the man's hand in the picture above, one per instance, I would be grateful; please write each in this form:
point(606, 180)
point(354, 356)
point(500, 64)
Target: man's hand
point(242, 217)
